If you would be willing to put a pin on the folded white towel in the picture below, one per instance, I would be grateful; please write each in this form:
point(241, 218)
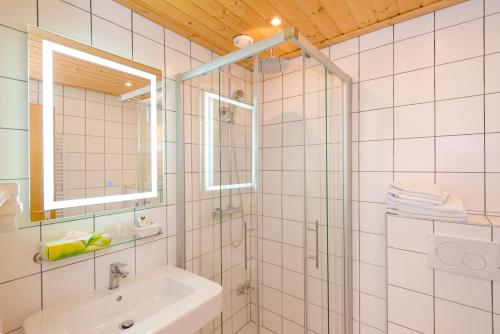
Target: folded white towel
point(405, 198)
point(428, 217)
point(454, 204)
point(421, 189)
point(452, 210)
point(418, 194)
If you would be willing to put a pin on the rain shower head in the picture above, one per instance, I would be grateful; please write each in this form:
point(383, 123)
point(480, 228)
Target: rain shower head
point(272, 64)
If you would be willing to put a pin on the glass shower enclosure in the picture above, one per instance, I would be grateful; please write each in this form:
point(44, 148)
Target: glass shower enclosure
point(264, 187)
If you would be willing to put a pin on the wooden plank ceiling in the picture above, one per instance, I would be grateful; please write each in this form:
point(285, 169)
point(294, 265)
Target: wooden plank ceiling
point(214, 23)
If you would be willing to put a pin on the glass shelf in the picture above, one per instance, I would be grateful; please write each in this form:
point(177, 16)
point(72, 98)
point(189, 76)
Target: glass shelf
point(37, 258)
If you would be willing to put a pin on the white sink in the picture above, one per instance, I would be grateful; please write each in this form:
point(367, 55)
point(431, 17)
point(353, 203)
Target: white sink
point(169, 300)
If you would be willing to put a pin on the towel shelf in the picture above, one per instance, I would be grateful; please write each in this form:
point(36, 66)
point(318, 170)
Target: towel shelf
point(37, 258)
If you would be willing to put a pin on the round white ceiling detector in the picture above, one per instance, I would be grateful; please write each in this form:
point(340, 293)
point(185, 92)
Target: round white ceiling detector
point(242, 40)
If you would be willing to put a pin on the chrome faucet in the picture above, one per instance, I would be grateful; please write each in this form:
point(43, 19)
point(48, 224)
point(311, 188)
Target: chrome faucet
point(115, 274)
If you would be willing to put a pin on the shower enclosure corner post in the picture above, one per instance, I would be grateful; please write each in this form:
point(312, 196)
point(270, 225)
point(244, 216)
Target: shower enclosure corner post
point(255, 139)
point(180, 192)
point(347, 168)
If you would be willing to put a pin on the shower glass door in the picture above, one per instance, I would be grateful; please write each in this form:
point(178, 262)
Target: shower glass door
point(316, 206)
point(236, 184)
point(323, 199)
point(203, 170)
point(218, 120)
point(337, 203)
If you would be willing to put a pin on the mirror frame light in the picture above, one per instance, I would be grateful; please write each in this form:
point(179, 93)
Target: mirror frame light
point(209, 139)
point(49, 48)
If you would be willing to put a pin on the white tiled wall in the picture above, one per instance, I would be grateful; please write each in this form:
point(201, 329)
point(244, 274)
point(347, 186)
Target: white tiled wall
point(425, 300)
point(426, 106)
point(25, 286)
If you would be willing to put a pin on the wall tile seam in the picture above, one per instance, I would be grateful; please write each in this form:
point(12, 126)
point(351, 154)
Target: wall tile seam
point(12, 28)
point(370, 232)
point(426, 102)
point(395, 73)
point(479, 56)
point(406, 250)
point(370, 263)
point(278, 315)
point(379, 46)
point(372, 326)
point(403, 326)
point(16, 79)
point(38, 272)
point(463, 22)
point(433, 295)
point(361, 292)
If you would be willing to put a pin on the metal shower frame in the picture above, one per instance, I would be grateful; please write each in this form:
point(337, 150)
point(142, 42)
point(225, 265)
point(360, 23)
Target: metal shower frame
point(292, 35)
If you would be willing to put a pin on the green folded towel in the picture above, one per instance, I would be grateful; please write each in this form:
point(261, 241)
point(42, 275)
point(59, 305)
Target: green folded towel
point(59, 249)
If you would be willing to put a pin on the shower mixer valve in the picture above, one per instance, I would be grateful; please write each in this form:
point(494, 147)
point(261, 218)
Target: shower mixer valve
point(244, 288)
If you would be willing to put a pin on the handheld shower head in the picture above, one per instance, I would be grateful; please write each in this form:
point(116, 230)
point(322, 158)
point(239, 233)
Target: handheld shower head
point(228, 111)
point(237, 95)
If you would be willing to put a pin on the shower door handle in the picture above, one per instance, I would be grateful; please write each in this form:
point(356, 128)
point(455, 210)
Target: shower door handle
point(245, 236)
point(316, 229)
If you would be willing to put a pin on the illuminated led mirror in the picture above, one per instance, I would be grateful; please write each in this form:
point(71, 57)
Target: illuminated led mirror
point(229, 143)
point(95, 129)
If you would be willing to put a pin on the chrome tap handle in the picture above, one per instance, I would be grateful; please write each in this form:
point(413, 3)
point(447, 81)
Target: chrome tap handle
point(115, 267)
point(115, 274)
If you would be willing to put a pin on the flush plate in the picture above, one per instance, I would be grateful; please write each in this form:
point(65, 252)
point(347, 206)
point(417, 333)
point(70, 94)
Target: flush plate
point(469, 257)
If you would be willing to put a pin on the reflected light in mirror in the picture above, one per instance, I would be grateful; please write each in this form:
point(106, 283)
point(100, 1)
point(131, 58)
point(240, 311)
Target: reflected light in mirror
point(48, 127)
point(209, 139)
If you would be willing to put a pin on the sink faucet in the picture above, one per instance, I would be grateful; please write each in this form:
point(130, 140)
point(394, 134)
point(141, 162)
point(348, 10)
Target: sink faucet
point(115, 274)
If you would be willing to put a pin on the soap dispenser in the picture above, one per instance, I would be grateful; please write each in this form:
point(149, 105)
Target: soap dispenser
point(10, 206)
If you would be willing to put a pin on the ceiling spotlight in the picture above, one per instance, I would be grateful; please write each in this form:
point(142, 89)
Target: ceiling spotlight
point(128, 84)
point(276, 21)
